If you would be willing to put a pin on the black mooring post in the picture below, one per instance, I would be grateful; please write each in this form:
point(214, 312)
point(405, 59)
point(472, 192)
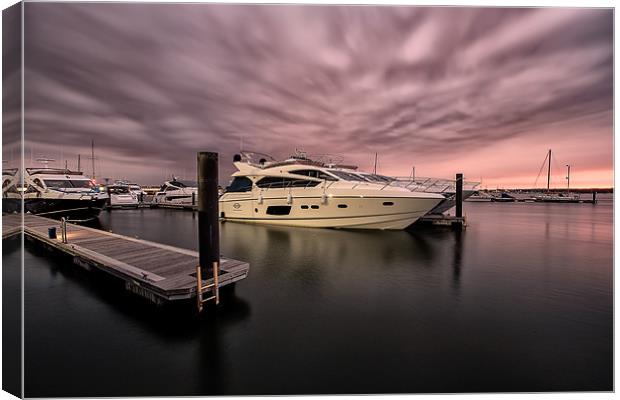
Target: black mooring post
point(459, 195)
point(107, 188)
point(208, 224)
point(593, 197)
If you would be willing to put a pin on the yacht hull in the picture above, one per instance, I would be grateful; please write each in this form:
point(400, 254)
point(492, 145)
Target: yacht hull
point(68, 208)
point(123, 201)
point(449, 202)
point(316, 212)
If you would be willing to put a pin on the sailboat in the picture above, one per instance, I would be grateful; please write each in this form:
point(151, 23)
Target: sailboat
point(559, 197)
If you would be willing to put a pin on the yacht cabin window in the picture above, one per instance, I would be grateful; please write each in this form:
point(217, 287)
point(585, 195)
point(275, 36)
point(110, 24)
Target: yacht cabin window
point(274, 182)
point(240, 184)
point(58, 183)
point(313, 173)
point(346, 176)
point(82, 183)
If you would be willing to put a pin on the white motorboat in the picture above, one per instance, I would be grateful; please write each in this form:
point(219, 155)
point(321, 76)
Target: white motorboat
point(177, 192)
point(59, 193)
point(303, 192)
point(122, 196)
point(558, 198)
point(134, 188)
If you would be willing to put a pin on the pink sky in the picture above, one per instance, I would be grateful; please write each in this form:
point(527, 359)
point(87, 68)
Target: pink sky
point(485, 92)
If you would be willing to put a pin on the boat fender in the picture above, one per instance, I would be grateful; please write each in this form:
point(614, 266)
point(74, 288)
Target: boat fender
point(260, 198)
point(324, 199)
point(289, 198)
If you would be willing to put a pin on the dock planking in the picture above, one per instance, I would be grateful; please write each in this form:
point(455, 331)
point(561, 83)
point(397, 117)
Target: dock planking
point(153, 270)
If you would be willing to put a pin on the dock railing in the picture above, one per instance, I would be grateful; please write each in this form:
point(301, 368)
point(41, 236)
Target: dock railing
point(435, 185)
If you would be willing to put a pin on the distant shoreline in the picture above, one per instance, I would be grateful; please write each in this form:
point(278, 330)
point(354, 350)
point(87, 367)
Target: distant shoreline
point(576, 190)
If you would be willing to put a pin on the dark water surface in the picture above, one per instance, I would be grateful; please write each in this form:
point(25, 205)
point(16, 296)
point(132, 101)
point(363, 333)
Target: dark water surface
point(520, 301)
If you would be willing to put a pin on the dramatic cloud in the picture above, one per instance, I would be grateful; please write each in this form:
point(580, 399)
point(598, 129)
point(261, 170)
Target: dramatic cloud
point(483, 91)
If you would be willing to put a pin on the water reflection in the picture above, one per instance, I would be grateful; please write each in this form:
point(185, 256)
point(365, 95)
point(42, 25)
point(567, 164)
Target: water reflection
point(322, 310)
point(457, 257)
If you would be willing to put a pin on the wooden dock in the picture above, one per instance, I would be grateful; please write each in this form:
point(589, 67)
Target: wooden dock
point(152, 270)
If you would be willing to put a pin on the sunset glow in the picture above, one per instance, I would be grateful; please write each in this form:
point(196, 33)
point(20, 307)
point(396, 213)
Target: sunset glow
point(485, 92)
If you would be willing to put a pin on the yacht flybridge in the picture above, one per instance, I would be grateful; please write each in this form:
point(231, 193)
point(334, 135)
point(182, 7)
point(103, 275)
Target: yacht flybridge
point(304, 192)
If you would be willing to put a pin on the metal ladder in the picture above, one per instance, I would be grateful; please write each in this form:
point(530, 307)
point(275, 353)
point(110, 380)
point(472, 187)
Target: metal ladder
point(212, 287)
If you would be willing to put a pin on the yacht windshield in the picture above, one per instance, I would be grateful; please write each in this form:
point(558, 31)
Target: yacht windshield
point(119, 189)
point(377, 178)
point(184, 184)
point(58, 183)
point(82, 183)
point(68, 184)
point(346, 176)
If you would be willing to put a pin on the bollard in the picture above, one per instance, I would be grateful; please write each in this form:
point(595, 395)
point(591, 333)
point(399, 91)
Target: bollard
point(459, 195)
point(593, 197)
point(208, 224)
point(193, 198)
point(51, 232)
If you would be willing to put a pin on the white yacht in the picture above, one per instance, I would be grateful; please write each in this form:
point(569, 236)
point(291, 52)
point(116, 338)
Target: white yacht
point(59, 193)
point(177, 192)
point(136, 189)
point(303, 192)
point(11, 197)
point(557, 198)
point(122, 196)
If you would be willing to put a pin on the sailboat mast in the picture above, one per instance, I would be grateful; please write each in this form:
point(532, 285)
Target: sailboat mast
point(92, 155)
point(549, 170)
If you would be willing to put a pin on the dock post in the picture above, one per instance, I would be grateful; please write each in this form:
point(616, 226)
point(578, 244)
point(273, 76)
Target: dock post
point(109, 207)
point(459, 195)
point(594, 197)
point(193, 198)
point(208, 223)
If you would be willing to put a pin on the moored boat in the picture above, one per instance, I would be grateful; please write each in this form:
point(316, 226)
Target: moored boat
point(304, 192)
point(177, 192)
point(57, 193)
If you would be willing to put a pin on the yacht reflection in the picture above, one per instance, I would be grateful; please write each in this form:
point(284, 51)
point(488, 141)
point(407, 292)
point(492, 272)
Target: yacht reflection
point(457, 258)
point(312, 255)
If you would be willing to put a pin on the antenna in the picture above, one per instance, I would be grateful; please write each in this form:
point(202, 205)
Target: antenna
point(92, 149)
point(92, 157)
point(78, 164)
point(549, 171)
point(375, 164)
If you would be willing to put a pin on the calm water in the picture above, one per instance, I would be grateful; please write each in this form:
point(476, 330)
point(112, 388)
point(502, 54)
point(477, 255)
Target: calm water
point(520, 301)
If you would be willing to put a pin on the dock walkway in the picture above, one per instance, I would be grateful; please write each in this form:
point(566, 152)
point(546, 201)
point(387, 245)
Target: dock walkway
point(155, 271)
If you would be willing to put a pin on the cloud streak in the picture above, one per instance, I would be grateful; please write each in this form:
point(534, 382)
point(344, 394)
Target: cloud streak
point(439, 88)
